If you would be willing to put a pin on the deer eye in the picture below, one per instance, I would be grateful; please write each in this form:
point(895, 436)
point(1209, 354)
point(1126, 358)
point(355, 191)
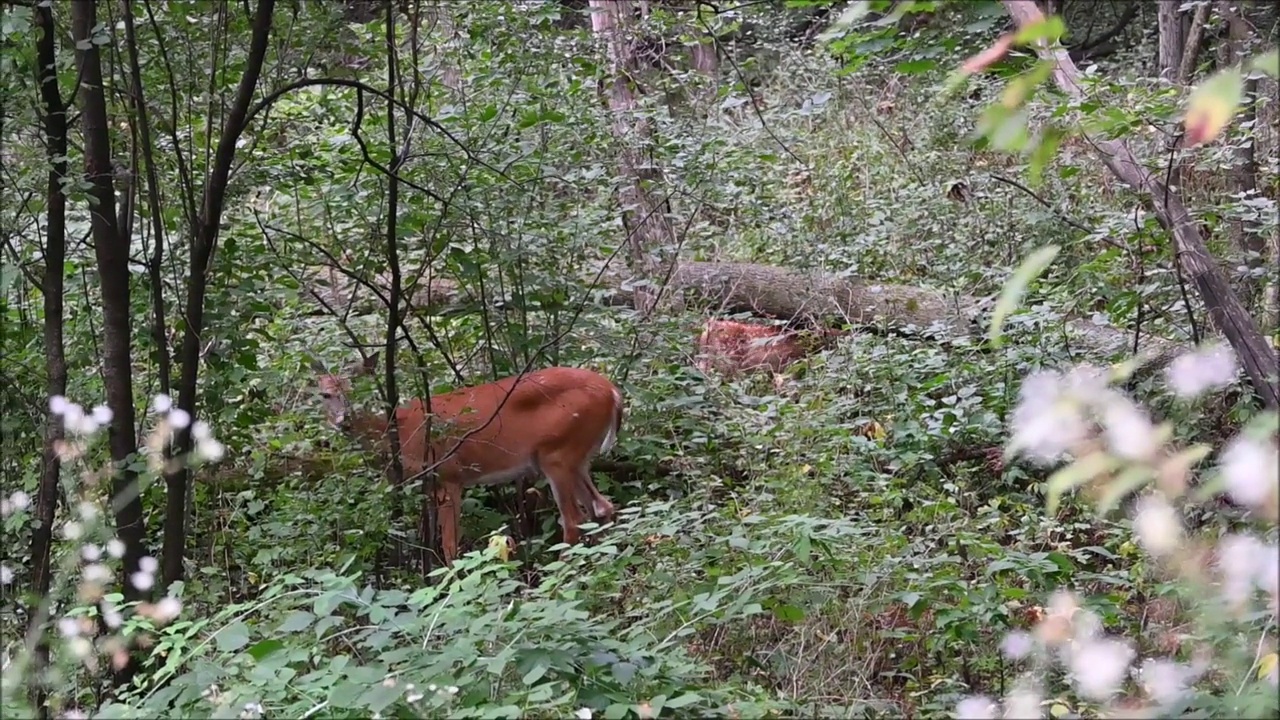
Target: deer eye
point(325, 395)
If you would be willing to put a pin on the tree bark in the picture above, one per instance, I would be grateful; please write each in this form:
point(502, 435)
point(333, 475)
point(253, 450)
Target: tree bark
point(1242, 178)
point(206, 236)
point(54, 113)
point(112, 253)
point(1226, 311)
point(1170, 48)
point(645, 217)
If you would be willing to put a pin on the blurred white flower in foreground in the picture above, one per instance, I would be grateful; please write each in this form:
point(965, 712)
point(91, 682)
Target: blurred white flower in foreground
point(1023, 702)
point(1166, 681)
point(1157, 524)
point(1250, 472)
point(976, 707)
point(1048, 420)
point(1203, 369)
point(1017, 645)
point(1099, 666)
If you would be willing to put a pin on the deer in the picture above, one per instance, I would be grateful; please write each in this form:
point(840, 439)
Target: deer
point(731, 347)
point(551, 422)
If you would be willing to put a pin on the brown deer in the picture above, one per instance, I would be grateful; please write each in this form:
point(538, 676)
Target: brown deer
point(730, 347)
point(550, 422)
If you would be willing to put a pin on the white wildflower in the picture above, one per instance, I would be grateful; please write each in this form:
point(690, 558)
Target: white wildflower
point(148, 564)
point(582, 713)
point(1157, 524)
point(200, 431)
point(1249, 470)
point(90, 552)
point(161, 403)
point(115, 548)
point(976, 707)
point(1098, 666)
point(6, 575)
point(142, 580)
point(1048, 420)
point(58, 405)
point(68, 626)
point(1016, 645)
point(72, 530)
point(453, 689)
point(1165, 681)
point(74, 714)
point(168, 609)
point(111, 615)
point(179, 418)
point(1022, 703)
point(88, 511)
point(210, 450)
point(80, 647)
point(97, 573)
point(102, 415)
point(1129, 431)
point(19, 500)
point(1204, 369)
point(1246, 563)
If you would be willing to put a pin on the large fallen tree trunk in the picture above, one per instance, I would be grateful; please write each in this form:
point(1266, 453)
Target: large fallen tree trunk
point(1226, 311)
point(825, 299)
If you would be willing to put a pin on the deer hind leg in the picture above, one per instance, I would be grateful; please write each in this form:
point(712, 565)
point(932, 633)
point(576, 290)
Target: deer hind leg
point(449, 510)
point(566, 487)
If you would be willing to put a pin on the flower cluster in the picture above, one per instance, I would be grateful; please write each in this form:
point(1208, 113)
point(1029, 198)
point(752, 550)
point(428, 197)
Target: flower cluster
point(1113, 443)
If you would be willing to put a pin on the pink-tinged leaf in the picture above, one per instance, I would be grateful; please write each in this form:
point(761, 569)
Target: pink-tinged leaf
point(987, 57)
point(1212, 105)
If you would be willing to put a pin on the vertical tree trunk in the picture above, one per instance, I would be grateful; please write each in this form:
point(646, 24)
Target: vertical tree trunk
point(55, 250)
point(1242, 178)
point(645, 217)
point(112, 252)
point(206, 235)
point(1169, 21)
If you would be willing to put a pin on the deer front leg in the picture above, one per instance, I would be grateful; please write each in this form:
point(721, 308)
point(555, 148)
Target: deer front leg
point(449, 510)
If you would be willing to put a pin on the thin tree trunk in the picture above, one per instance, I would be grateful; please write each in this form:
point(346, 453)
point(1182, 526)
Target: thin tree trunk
point(206, 236)
point(111, 249)
point(1225, 309)
point(159, 326)
point(645, 218)
point(1242, 178)
point(1169, 22)
point(55, 361)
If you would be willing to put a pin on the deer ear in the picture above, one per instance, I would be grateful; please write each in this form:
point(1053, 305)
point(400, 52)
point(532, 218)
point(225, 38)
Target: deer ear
point(318, 367)
point(370, 363)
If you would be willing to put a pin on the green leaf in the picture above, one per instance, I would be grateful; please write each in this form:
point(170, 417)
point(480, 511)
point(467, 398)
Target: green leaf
point(852, 14)
point(1050, 28)
point(1133, 478)
point(1076, 474)
point(623, 672)
point(788, 613)
point(262, 649)
point(232, 637)
point(534, 675)
point(1212, 105)
point(1011, 293)
point(914, 67)
point(1268, 63)
point(682, 700)
point(298, 620)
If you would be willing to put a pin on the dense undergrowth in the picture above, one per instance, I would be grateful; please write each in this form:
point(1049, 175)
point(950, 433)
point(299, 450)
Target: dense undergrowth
point(855, 544)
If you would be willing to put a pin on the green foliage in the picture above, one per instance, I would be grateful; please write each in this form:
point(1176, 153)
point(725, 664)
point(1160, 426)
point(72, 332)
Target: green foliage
point(852, 544)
